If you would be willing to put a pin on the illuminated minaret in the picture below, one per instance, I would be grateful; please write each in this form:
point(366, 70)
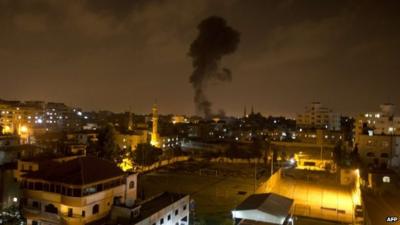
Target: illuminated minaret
point(130, 125)
point(154, 134)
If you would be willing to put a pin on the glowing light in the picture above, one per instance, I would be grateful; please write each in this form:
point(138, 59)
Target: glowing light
point(15, 199)
point(386, 179)
point(23, 129)
point(6, 129)
point(126, 164)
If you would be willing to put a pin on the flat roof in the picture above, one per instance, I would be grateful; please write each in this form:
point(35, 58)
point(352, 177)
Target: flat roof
point(270, 204)
point(252, 222)
point(79, 171)
point(155, 204)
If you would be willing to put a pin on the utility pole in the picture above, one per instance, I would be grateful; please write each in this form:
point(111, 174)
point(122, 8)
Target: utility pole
point(272, 161)
point(255, 175)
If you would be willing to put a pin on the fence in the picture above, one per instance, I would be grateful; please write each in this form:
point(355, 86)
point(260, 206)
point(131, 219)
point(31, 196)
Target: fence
point(162, 163)
point(236, 160)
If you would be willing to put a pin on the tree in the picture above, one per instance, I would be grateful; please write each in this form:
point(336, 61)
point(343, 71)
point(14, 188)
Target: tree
point(107, 148)
point(355, 157)
point(146, 154)
point(12, 216)
point(232, 151)
point(338, 154)
point(256, 148)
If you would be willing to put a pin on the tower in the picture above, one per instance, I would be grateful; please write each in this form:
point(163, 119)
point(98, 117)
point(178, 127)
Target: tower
point(154, 133)
point(130, 125)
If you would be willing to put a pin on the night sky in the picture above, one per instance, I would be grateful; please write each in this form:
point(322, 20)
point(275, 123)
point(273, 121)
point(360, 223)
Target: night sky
point(116, 55)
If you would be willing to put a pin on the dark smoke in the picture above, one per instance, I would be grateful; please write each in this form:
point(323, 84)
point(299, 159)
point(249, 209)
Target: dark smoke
point(215, 40)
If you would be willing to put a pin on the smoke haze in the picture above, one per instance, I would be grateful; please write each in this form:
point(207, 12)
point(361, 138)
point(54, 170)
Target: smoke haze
point(215, 40)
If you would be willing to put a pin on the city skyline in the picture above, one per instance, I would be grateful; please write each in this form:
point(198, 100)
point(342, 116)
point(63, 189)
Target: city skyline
point(102, 55)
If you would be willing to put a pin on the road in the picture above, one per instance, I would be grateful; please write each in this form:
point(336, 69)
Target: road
point(380, 207)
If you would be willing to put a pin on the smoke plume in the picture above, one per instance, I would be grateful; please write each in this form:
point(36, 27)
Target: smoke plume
point(215, 39)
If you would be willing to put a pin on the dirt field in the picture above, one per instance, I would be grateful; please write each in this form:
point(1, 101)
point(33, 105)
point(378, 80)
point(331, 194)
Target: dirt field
point(216, 188)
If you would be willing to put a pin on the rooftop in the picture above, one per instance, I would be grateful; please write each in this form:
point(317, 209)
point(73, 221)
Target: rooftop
point(155, 204)
point(269, 203)
point(79, 171)
point(251, 222)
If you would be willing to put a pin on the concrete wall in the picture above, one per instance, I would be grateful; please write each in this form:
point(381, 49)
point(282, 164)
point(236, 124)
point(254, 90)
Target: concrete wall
point(162, 163)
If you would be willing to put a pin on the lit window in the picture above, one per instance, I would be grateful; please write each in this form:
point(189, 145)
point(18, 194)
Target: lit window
point(386, 179)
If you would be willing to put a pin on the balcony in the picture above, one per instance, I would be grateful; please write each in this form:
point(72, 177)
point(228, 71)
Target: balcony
point(72, 219)
point(31, 210)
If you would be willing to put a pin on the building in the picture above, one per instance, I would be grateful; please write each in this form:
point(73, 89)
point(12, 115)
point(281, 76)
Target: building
point(377, 137)
point(179, 119)
point(154, 132)
point(379, 150)
point(317, 136)
point(170, 141)
point(163, 209)
point(130, 139)
point(318, 116)
point(264, 209)
point(377, 123)
point(75, 192)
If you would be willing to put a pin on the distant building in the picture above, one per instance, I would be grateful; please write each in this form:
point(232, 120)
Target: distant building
point(179, 119)
point(78, 191)
point(130, 139)
point(377, 123)
point(379, 150)
point(170, 141)
point(155, 137)
point(318, 116)
point(165, 208)
point(317, 136)
point(264, 209)
point(377, 137)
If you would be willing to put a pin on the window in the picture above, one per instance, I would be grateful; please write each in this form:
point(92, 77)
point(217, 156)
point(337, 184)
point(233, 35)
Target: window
point(83, 213)
point(384, 155)
point(99, 187)
point(77, 192)
point(34, 222)
point(50, 208)
point(70, 212)
point(30, 185)
point(184, 207)
point(169, 217)
point(131, 184)
point(162, 221)
point(176, 212)
point(69, 191)
point(35, 204)
point(95, 209)
point(45, 187)
point(117, 200)
point(371, 154)
point(38, 186)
